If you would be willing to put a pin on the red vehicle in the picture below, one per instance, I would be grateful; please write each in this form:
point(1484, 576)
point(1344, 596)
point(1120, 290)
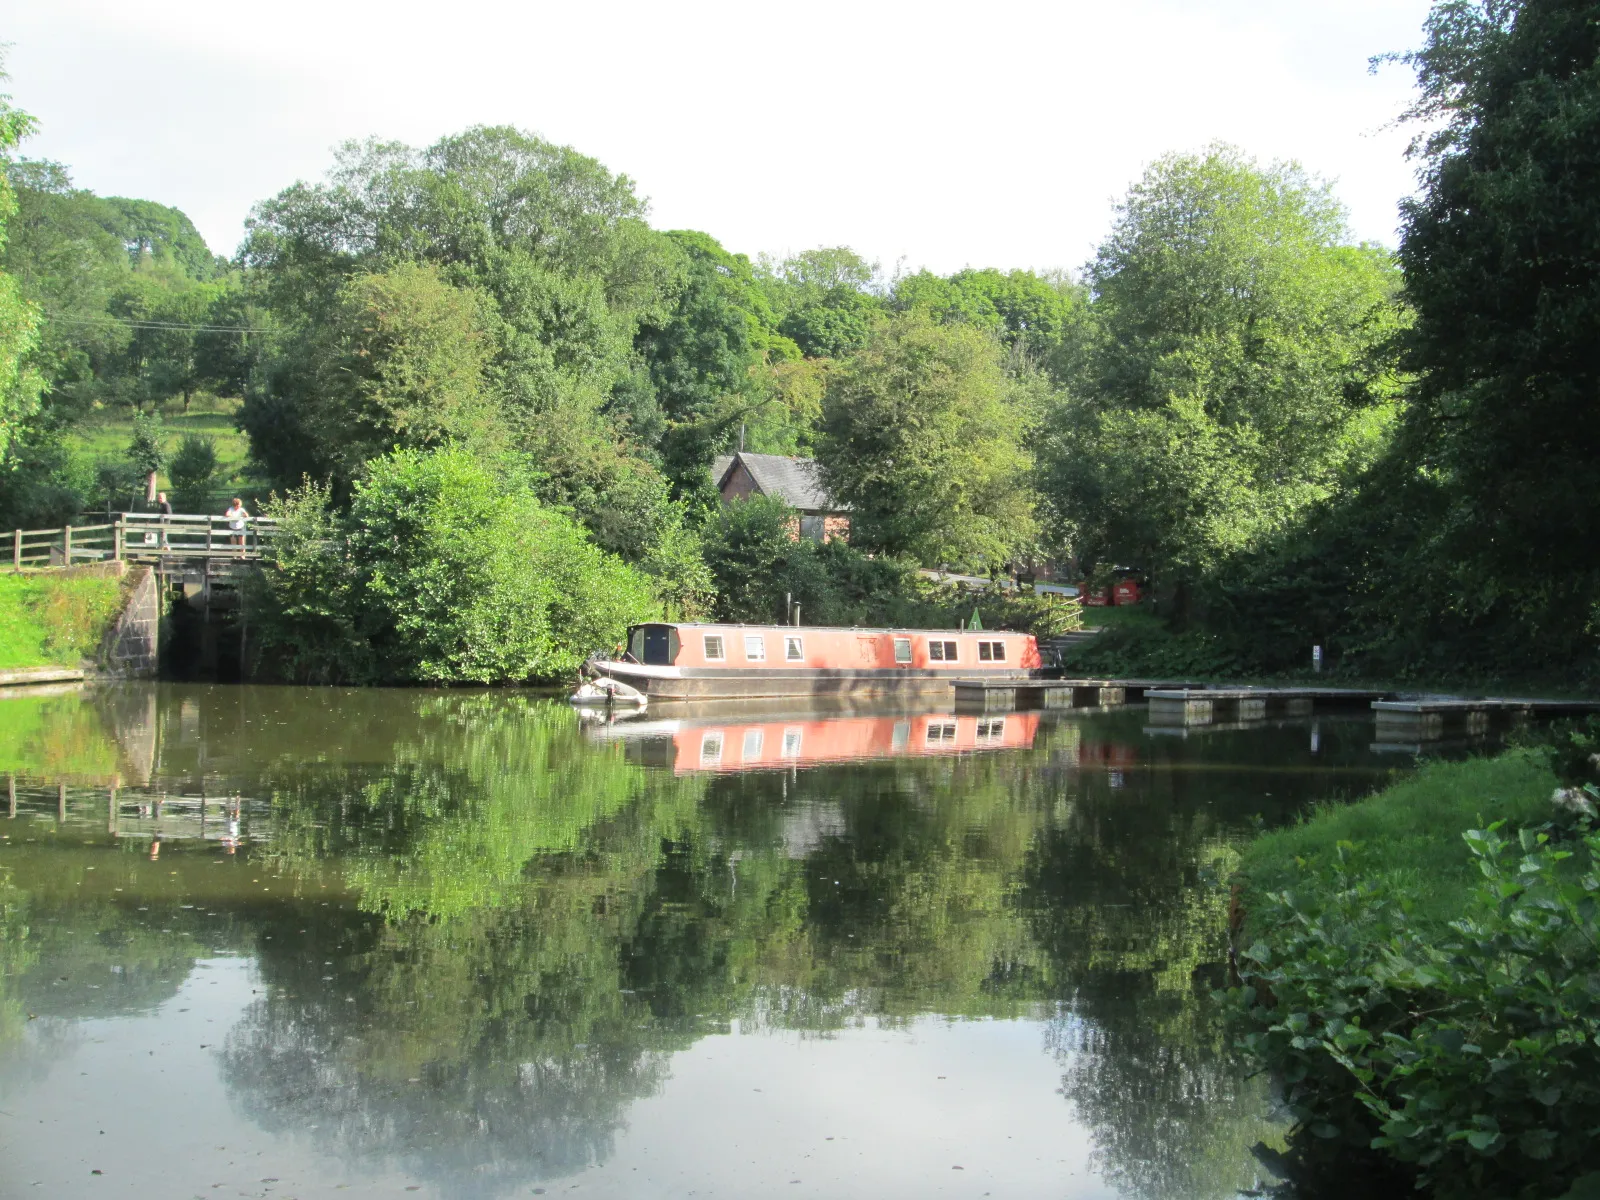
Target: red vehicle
point(693, 661)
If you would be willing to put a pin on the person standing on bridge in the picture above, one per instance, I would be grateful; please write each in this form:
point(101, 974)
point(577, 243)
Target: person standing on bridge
point(164, 508)
point(237, 516)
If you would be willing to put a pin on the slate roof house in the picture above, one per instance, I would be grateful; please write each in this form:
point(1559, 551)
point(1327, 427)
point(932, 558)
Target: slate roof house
point(795, 481)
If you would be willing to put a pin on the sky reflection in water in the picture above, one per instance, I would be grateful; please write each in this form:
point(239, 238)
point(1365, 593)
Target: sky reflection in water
point(458, 944)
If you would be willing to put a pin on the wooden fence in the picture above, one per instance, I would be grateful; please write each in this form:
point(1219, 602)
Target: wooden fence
point(142, 537)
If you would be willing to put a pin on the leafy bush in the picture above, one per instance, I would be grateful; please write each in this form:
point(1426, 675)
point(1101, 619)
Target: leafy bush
point(1471, 1059)
point(41, 485)
point(306, 612)
point(1142, 644)
point(441, 572)
point(193, 472)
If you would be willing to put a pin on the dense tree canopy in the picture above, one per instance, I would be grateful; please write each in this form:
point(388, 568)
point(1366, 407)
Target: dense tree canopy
point(1502, 260)
point(1238, 368)
point(923, 438)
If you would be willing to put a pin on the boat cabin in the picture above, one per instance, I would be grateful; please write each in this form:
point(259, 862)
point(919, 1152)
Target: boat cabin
point(791, 647)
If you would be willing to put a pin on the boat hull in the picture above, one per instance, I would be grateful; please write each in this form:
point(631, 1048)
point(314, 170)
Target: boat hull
point(709, 683)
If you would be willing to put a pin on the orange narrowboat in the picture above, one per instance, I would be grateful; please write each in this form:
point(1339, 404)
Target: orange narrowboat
point(688, 661)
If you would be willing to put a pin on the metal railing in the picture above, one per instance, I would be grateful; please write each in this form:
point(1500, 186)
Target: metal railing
point(142, 537)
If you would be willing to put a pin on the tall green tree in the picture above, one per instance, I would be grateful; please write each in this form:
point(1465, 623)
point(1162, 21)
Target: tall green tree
point(924, 438)
point(700, 358)
point(400, 360)
point(20, 383)
point(1501, 251)
point(568, 272)
point(1240, 367)
point(557, 244)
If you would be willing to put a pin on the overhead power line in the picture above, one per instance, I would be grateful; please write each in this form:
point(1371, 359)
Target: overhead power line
point(130, 323)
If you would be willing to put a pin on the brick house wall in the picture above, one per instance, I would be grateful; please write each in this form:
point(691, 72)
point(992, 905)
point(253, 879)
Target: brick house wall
point(741, 485)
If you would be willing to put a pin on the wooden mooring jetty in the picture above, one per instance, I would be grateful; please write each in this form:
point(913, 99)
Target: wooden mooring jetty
point(1400, 718)
point(1006, 694)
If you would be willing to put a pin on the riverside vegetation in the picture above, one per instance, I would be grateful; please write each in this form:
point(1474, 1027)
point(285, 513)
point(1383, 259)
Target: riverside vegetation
point(1421, 973)
point(1295, 437)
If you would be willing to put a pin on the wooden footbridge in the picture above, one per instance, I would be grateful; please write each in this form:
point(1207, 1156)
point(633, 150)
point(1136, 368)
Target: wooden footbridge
point(192, 551)
point(144, 537)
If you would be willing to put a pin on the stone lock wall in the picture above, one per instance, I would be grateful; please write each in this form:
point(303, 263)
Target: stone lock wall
point(132, 645)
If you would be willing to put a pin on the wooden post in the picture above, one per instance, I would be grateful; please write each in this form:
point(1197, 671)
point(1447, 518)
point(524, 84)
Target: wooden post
point(16, 549)
point(11, 796)
point(66, 545)
point(111, 814)
point(116, 539)
point(61, 803)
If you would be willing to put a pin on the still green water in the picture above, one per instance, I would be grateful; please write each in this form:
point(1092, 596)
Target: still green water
point(295, 942)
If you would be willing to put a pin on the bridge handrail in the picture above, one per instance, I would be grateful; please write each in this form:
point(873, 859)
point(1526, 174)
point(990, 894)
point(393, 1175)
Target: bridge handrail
point(141, 537)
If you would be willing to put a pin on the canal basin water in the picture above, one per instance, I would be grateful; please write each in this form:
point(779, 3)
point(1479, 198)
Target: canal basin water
point(306, 942)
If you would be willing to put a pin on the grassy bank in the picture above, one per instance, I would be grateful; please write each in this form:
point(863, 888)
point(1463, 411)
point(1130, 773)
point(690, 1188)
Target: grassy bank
point(1408, 835)
point(55, 618)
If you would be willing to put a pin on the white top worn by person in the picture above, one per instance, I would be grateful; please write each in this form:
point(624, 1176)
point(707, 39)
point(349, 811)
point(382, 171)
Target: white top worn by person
point(236, 517)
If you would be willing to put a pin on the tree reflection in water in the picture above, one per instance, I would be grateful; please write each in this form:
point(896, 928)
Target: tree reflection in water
point(539, 924)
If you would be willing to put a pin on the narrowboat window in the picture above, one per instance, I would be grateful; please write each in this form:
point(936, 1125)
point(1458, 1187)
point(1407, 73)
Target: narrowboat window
point(752, 744)
point(793, 649)
point(711, 748)
point(902, 650)
point(791, 742)
point(942, 651)
point(636, 643)
point(992, 730)
point(714, 648)
point(755, 648)
point(902, 735)
point(992, 651)
point(941, 731)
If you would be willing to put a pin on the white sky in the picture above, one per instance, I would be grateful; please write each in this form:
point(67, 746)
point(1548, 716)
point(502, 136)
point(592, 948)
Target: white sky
point(948, 134)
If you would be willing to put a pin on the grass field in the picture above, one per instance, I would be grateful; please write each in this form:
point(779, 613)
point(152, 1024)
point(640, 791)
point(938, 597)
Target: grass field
point(55, 618)
point(105, 437)
point(1409, 835)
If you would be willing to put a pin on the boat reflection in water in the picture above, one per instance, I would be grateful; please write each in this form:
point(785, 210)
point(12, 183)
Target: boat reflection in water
point(744, 741)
